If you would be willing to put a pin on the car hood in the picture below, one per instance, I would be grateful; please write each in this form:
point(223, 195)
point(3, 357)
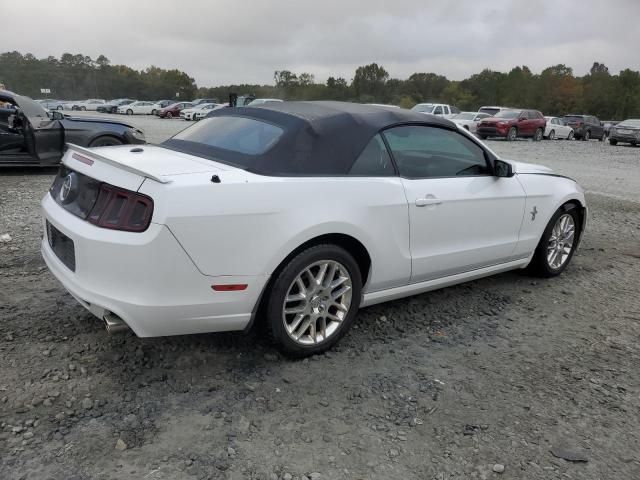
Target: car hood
point(496, 120)
point(522, 167)
point(626, 127)
point(96, 120)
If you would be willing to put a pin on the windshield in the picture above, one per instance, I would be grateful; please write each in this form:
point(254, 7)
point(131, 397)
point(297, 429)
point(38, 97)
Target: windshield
point(236, 134)
point(574, 117)
point(630, 123)
point(508, 114)
point(423, 108)
point(464, 116)
point(489, 110)
point(29, 107)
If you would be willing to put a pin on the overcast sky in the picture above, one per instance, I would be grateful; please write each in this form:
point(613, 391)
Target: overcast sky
point(240, 41)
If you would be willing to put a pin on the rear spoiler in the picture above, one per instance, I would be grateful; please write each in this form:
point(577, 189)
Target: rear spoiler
point(88, 156)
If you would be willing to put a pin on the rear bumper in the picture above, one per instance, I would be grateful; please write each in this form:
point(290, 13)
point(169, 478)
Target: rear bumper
point(146, 279)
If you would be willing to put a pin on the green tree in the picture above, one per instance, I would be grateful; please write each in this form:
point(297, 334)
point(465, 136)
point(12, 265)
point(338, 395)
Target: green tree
point(369, 82)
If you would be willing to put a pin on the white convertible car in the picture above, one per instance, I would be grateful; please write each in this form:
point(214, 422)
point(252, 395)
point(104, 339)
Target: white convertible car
point(296, 214)
point(200, 111)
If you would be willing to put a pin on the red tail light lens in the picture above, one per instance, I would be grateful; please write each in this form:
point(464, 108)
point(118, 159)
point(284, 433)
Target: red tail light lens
point(121, 209)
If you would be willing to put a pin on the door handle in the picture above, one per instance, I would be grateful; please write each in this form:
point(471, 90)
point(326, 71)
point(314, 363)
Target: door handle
point(428, 200)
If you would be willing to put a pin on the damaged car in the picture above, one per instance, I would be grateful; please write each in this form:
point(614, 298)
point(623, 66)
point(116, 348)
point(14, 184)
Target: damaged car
point(32, 136)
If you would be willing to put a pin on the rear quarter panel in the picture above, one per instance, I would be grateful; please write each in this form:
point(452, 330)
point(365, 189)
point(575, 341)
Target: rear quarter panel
point(248, 224)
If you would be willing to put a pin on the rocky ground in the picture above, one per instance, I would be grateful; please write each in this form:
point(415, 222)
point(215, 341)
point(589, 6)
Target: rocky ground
point(497, 378)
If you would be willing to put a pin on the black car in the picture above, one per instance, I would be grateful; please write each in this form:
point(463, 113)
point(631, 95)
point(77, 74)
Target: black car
point(626, 132)
point(112, 106)
point(29, 135)
point(585, 127)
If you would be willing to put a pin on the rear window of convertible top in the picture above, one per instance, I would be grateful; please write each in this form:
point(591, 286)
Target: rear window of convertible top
point(242, 135)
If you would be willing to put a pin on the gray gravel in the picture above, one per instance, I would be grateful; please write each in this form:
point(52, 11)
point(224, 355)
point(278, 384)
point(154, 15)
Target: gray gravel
point(466, 382)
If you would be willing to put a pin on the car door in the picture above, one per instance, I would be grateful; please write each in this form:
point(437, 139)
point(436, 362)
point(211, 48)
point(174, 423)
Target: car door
point(598, 129)
point(461, 216)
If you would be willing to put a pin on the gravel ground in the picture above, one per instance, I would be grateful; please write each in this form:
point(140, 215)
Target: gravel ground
point(481, 380)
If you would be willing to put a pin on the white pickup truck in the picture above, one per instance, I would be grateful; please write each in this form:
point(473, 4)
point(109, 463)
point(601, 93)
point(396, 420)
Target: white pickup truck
point(440, 109)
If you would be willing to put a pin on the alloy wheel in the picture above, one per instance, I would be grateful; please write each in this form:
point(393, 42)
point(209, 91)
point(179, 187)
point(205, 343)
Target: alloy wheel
point(561, 241)
point(552, 135)
point(317, 302)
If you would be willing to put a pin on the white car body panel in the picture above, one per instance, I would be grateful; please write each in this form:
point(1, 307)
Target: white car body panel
point(240, 229)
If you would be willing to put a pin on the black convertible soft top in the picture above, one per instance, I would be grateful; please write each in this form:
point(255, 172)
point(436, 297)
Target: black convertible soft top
point(319, 138)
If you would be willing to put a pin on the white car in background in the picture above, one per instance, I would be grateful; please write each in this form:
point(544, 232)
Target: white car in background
point(262, 101)
point(223, 224)
point(439, 109)
point(557, 128)
point(139, 108)
point(91, 104)
point(200, 111)
point(468, 120)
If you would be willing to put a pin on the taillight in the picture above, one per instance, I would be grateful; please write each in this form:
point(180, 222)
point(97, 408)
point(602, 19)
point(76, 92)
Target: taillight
point(121, 209)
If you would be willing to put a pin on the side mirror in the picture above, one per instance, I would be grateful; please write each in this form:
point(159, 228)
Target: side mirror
point(502, 169)
point(56, 115)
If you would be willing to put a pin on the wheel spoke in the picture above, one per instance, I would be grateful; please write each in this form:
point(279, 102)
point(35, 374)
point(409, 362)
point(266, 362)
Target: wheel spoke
point(303, 328)
point(295, 322)
point(337, 294)
point(295, 297)
point(319, 278)
point(292, 310)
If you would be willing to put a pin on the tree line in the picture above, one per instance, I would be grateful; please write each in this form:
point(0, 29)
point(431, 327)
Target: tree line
point(554, 91)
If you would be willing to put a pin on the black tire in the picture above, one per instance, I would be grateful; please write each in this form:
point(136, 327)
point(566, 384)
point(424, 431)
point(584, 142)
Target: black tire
point(84, 109)
point(570, 137)
point(282, 283)
point(586, 136)
point(169, 115)
point(105, 141)
point(129, 111)
point(537, 136)
point(153, 112)
point(483, 137)
point(512, 134)
point(552, 135)
point(613, 141)
point(539, 265)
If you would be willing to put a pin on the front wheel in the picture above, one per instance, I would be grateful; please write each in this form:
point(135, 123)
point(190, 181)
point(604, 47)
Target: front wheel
point(587, 136)
point(105, 141)
point(558, 243)
point(129, 111)
point(570, 136)
point(613, 141)
point(314, 300)
point(512, 135)
point(153, 112)
point(552, 135)
point(83, 109)
point(538, 135)
point(169, 115)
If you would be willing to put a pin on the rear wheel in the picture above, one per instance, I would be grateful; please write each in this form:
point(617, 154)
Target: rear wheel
point(558, 243)
point(169, 115)
point(552, 135)
point(586, 136)
point(538, 135)
point(129, 111)
point(512, 134)
point(153, 112)
point(84, 109)
point(570, 137)
point(613, 141)
point(603, 137)
point(105, 141)
point(314, 300)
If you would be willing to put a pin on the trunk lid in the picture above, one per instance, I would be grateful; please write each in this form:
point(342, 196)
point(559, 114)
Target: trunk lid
point(127, 166)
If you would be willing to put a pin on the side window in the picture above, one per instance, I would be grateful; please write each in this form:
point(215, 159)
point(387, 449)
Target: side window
point(430, 152)
point(455, 110)
point(437, 110)
point(374, 161)
point(532, 115)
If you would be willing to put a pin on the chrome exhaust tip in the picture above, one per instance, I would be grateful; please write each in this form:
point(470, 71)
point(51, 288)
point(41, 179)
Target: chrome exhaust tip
point(113, 324)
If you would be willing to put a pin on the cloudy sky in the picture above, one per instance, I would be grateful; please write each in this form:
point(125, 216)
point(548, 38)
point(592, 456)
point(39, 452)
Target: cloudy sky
point(242, 41)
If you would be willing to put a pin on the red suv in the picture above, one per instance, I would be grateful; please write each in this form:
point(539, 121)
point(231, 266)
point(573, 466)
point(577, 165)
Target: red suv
point(173, 110)
point(511, 124)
